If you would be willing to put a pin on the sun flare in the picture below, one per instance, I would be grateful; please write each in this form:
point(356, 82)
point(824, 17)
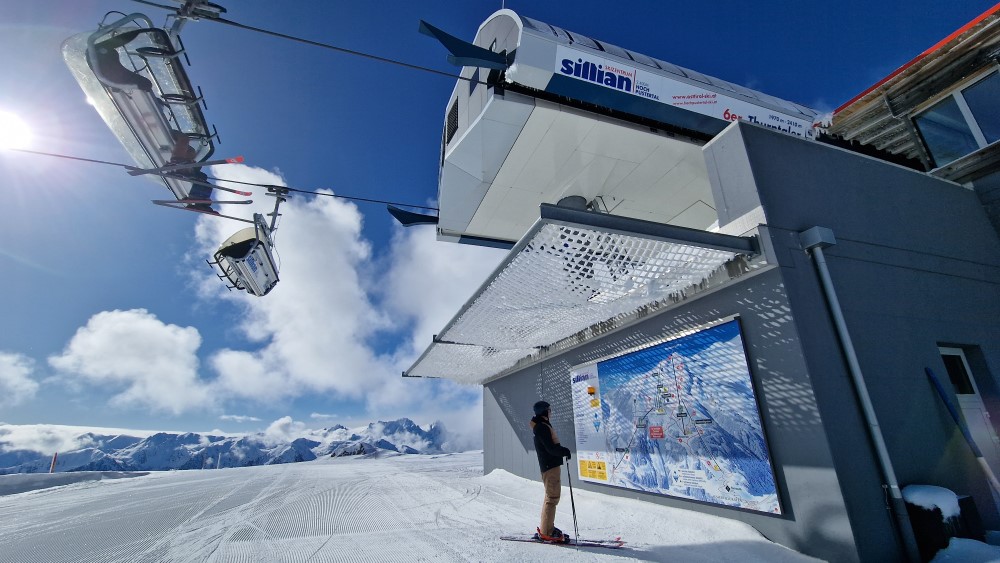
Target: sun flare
point(14, 132)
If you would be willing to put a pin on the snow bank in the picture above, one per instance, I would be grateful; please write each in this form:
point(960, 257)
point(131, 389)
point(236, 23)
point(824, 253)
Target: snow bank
point(961, 550)
point(24, 482)
point(931, 497)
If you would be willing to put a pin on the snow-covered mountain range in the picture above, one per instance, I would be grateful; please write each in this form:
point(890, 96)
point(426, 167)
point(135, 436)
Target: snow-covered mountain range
point(165, 451)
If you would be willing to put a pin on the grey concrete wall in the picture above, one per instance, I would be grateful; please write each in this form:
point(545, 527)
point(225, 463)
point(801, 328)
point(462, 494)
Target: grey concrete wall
point(988, 190)
point(917, 265)
point(815, 519)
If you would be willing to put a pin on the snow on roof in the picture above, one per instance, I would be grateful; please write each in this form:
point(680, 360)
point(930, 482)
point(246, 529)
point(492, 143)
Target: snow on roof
point(931, 497)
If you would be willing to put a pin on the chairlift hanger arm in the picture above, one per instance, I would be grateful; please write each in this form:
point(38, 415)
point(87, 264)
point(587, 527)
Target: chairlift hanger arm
point(156, 5)
point(189, 9)
point(280, 194)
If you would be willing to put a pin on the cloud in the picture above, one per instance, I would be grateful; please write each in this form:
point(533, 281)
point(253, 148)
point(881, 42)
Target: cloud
point(321, 416)
point(427, 281)
point(424, 285)
point(49, 438)
point(342, 322)
point(16, 384)
point(458, 407)
point(319, 328)
point(284, 430)
point(239, 418)
point(315, 324)
point(250, 375)
point(154, 362)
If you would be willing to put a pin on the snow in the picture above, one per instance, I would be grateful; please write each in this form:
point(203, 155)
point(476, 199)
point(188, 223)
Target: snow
point(931, 497)
point(282, 442)
point(961, 550)
point(383, 507)
point(13, 484)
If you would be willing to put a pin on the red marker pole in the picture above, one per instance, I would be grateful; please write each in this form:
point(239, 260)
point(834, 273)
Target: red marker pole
point(52, 467)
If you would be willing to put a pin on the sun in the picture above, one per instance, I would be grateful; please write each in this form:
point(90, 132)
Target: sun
point(14, 132)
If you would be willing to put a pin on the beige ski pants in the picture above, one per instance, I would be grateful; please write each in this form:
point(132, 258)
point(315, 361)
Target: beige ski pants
point(553, 488)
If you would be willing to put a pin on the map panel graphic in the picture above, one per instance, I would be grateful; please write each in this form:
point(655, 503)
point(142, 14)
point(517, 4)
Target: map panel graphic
point(679, 419)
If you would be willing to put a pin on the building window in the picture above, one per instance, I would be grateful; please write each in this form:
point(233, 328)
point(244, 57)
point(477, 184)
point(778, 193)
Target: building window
point(963, 122)
point(451, 125)
point(982, 98)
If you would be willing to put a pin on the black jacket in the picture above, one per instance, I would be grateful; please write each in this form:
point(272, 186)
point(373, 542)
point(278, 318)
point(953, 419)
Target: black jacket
point(550, 452)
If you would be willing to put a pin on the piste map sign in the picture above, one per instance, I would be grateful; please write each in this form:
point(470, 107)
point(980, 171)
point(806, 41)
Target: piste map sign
point(679, 418)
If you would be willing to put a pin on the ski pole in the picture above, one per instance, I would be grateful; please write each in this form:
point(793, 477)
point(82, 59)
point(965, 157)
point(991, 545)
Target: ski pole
point(572, 504)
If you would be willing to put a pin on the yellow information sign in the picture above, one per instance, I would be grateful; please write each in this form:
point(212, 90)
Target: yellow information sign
point(594, 469)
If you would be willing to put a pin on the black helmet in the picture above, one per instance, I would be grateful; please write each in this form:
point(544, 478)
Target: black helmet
point(541, 407)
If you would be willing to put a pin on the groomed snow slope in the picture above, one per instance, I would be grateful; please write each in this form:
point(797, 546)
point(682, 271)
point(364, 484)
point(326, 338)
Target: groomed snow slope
point(389, 508)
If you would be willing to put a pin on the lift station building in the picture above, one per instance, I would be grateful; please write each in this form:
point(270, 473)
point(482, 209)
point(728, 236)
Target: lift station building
point(731, 311)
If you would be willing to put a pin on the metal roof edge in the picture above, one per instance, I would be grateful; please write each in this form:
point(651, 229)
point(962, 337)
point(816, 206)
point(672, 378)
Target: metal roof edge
point(995, 10)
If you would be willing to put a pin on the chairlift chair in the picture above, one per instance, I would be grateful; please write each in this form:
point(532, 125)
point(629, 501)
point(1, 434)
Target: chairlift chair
point(246, 260)
point(131, 72)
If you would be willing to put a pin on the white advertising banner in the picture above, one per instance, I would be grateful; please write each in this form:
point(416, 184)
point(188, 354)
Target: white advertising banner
point(646, 84)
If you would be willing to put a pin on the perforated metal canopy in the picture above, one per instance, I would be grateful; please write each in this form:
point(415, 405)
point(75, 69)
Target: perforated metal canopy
point(574, 275)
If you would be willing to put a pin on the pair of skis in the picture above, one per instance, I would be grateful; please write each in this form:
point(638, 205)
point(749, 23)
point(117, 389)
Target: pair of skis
point(174, 171)
point(191, 204)
point(616, 543)
point(203, 206)
point(577, 542)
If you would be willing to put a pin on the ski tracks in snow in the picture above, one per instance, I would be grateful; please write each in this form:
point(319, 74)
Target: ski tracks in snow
point(399, 508)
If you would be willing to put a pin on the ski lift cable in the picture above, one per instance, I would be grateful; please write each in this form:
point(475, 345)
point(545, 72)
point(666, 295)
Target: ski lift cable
point(128, 167)
point(321, 45)
point(362, 199)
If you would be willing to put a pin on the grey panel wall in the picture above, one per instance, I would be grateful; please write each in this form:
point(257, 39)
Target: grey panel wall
point(815, 519)
point(988, 190)
point(916, 266)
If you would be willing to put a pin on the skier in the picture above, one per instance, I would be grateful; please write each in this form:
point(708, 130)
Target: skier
point(184, 153)
point(550, 459)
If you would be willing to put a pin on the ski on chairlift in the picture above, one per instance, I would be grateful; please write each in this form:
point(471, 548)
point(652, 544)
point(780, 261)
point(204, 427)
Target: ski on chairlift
point(132, 73)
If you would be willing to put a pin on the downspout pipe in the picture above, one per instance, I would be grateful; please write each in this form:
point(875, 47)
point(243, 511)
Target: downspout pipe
point(814, 240)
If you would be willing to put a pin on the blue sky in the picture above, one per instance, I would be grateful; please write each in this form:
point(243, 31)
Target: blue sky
point(108, 314)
